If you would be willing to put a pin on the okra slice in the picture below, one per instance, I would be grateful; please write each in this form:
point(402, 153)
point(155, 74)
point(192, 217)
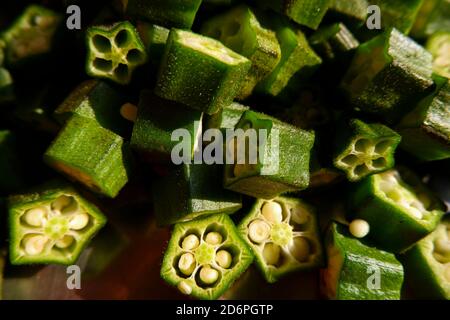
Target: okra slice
point(363, 149)
point(6, 86)
point(387, 73)
point(114, 52)
point(425, 130)
point(398, 207)
point(227, 118)
point(97, 100)
point(297, 57)
point(427, 264)
point(154, 38)
point(433, 16)
point(351, 265)
point(269, 167)
point(241, 30)
point(200, 72)
point(205, 256)
point(153, 128)
point(305, 12)
point(198, 190)
point(52, 225)
point(31, 35)
point(284, 236)
point(439, 46)
point(167, 13)
point(85, 152)
point(12, 177)
point(352, 11)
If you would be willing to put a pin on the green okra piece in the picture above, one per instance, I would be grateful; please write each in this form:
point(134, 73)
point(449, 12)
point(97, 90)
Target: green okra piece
point(96, 157)
point(153, 128)
point(205, 256)
point(114, 52)
point(227, 118)
point(352, 11)
point(425, 130)
point(284, 236)
point(427, 264)
point(398, 207)
point(31, 35)
point(97, 100)
point(433, 17)
point(200, 72)
point(167, 13)
point(6, 86)
point(198, 190)
point(11, 173)
point(154, 38)
point(52, 225)
point(387, 73)
point(363, 149)
point(297, 58)
point(439, 46)
point(357, 270)
point(305, 12)
point(241, 29)
point(265, 168)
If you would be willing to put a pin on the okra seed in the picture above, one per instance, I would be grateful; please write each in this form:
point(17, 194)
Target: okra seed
point(190, 242)
point(447, 272)
point(272, 211)
point(442, 246)
point(359, 228)
point(300, 249)
point(214, 238)
point(187, 264)
point(129, 111)
point(184, 288)
point(415, 212)
point(208, 275)
point(35, 217)
point(35, 244)
point(258, 231)
point(271, 253)
point(224, 259)
point(79, 221)
point(65, 242)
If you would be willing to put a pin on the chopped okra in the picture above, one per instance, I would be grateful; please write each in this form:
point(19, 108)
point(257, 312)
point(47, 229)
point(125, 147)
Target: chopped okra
point(363, 149)
point(353, 266)
point(51, 225)
point(200, 72)
point(227, 118)
point(154, 38)
point(114, 52)
point(398, 207)
point(439, 47)
point(205, 256)
point(351, 11)
point(284, 236)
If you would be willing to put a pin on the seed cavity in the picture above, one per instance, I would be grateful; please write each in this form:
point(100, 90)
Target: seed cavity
point(79, 221)
point(299, 215)
point(122, 38)
point(382, 146)
point(101, 43)
point(102, 65)
point(35, 217)
point(362, 145)
point(271, 253)
point(350, 160)
point(300, 249)
point(134, 56)
point(65, 242)
point(34, 244)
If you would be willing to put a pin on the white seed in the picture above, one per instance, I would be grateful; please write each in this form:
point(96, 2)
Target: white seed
point(79, 221)
point(258, 231)
point(208, 275)
point(35, 217)
point(64, 242)
point(394, 195)
point(300, 249)
point(224, 259)
point(35, 244)
point(416, 213)
point(299, 215)
point(442, 246)
point(213, 238)
point(187, 264)
point(184, 288)
point(359, 228)
point(272, 211)
point(129, 111)
point(271, 253)
point(190, 242)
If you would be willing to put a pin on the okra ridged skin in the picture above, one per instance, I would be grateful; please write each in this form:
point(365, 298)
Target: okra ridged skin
point(200, 72)
point(387, 74)
point(204, 254)
point(91, 155)
point(434, 16)
point(351, 262)
point(198, 190)
point(426, 130)
point(284, 236)
point(398, 207)
point(427, 264)
point(51, 225)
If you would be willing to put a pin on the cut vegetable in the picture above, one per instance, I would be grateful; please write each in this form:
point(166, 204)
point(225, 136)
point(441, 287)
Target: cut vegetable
point(227, 118)
point(439, 47)
point(351, 11)
point(154, 38)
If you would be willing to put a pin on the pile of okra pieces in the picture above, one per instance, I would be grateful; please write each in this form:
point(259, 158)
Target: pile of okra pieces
point(110, 106)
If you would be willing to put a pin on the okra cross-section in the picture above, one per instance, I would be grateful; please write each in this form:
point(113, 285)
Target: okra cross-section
point(114, 52)
point(363, 149)
point(398, 207)
point(240, 29)
point(269, 157)
point(200, 72)
point(205, 256)
point(91, 155)
point(284, 236)
point(427, 264)
point(357, 270)
point(52, 225)
point(388, 73)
